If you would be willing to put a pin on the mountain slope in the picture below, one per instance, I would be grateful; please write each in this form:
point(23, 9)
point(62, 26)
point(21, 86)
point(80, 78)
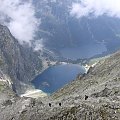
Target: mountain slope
point(62, 32)
point(18, 62)
point(95, 96)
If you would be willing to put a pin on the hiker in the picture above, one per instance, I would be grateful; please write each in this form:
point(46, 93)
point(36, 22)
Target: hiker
point(59, 104)
point(49, 104)
point(86, 97)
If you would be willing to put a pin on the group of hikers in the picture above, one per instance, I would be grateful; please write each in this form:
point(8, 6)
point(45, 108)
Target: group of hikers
point(50, 105)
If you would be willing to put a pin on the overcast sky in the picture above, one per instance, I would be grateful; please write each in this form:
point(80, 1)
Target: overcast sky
point(96, 7)
point(20, 18)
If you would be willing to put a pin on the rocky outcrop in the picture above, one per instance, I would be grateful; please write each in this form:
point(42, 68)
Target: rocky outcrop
point(19, 62)
point(94, 96)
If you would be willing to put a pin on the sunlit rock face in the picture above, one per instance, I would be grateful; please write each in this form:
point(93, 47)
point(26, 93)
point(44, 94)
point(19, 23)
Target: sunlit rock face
point(86, 37)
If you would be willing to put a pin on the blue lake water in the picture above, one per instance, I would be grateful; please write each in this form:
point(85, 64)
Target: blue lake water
point(56, 77)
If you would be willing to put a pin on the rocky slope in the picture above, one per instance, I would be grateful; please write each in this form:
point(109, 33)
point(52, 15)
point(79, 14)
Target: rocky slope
point(6, 91)
point(92, 96)
point(20, 63)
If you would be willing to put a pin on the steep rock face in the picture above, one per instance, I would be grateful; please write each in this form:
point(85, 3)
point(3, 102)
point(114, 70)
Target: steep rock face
point(92, 96)
point(19, 62)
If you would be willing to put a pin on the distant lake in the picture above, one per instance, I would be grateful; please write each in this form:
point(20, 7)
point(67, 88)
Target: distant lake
point(56, 77)
point(85, 51)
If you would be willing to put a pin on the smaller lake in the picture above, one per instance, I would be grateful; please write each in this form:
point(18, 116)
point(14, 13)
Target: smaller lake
point(56, 77)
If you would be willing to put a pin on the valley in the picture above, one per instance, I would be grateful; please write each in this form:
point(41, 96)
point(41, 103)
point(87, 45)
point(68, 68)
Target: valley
point(59, 60)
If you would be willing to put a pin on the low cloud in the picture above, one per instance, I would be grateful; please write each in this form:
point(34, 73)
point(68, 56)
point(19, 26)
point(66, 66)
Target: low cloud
point(96, 8)
point(38, 45)
point(20, 18)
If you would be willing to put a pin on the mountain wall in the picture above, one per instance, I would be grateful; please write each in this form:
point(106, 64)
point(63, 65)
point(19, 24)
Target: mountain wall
point(19, 62)
point(61, 32)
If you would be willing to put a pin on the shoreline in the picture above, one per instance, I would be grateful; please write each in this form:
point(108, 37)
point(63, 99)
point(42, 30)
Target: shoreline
point(36, 93)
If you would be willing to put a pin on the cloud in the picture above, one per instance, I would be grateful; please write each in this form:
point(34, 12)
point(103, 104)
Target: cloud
point(38, 45)
point(96, 8)
point(20, 18)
